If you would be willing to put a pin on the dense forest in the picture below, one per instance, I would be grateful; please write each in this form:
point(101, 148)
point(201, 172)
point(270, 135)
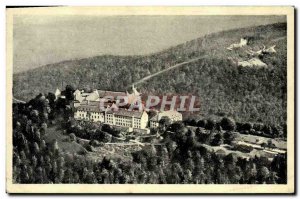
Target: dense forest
point(179, 158)
point(245, 94)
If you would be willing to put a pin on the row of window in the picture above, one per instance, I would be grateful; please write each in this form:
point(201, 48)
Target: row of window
point(127, 124)
point(123, 124)
point(95, 116)
point(153, 124)
point(85, 109)
point(137, 122)
point(109, 121)
point(123, 117)
point(137, 126)
point(119, 120)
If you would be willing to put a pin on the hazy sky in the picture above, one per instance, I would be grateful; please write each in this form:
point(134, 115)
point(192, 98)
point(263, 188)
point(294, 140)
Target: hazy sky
point(40, 40)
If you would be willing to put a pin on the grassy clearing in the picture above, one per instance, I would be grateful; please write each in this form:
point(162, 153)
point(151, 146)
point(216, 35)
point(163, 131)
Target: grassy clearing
point(54, 132)
point(255, 152)
point(253, 139)
point(122, 151)
point(112, 151)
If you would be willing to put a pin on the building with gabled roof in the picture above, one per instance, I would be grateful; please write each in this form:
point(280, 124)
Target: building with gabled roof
point(91, 111)
point(172, 114)
point(88, 107)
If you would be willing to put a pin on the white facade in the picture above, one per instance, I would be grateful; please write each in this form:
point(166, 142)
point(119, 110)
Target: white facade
point(125, 118)
point(93, 96)
point(154, 124)
point(87, 108)
point(97, 117)
point(77, 96)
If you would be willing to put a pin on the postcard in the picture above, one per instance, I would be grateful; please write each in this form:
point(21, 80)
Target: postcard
point(150, 100)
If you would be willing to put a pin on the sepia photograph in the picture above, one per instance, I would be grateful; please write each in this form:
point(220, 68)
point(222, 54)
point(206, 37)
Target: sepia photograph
point(150, 100)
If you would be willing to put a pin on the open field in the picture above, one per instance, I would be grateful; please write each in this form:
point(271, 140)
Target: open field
point(114, 151)
point(64, 144)
point(110, 150)
point(270, 154)
point(250, 140)
point(253, 139)
point(123, 150)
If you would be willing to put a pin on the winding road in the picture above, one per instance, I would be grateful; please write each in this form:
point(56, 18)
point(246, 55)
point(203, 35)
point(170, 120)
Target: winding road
point(165, 70)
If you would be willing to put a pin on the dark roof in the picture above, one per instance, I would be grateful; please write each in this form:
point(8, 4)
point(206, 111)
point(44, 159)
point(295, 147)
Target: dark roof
point(169, 114)
point(103, 93)
point(93, 106)
point(154, 118)
point(89, 108)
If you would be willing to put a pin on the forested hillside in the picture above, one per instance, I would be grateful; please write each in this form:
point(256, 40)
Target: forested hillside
point(246, 94)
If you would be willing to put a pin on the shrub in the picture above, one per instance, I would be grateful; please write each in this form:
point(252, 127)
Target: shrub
point(201, 123)
point(211, 124)
point(243, 148)
point(239, 126)
point(94, 143)
point(115, 132)
point(90, 148)
point(228, 124)
point(228, 137)
point(267, 129)
point(82, 152)
point(106, 128)
point(246, 126)
point(252, 132)
point(258, 126)
point(217, 140)
point(72, 137)
point(106, 137)
point(101, 144)
point(202, 136)
point(193, 122)
point(176, 126)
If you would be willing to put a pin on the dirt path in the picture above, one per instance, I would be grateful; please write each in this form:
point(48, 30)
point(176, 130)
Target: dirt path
point(167, 69)
point(18, 101)
point(279, 38)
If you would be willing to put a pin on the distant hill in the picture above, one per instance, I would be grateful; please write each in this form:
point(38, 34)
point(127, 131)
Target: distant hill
point(247, 94)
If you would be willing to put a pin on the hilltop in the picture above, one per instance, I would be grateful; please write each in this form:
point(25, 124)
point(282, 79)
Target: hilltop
point(247, 94)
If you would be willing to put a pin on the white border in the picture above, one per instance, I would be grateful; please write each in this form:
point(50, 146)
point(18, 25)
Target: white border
point(110, 2)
